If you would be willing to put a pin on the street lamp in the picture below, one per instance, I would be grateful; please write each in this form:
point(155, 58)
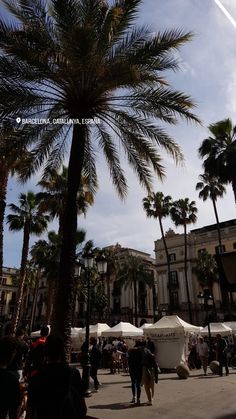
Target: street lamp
point(89, 264)
point(163, 312)
point(205, 300)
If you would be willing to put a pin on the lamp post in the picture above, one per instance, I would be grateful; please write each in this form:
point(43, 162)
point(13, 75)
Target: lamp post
point(89, 264)
point(205, 300)
point(163, 312)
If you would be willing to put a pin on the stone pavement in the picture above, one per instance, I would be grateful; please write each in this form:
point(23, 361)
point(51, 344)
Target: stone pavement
point(208, 397)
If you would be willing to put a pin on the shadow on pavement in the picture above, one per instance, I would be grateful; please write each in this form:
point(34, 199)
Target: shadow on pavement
point(230, 416)
point(115, 382)
point(115, 406)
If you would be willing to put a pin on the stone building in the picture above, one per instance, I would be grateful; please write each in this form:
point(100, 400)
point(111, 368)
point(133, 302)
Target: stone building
point(120, 300)
point(8, 289)
point(198, 240)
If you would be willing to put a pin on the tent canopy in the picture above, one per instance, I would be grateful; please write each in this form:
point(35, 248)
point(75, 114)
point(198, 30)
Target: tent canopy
point(75, 331)
point(232, 326)
point(123, 329)
point(216, 328)
point(95, 330)
point(170, 337)
point(172, 323)
point(145, 325)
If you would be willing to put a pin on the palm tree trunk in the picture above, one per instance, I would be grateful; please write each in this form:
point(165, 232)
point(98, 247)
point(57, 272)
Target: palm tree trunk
point(49, 301)
point(36, 290)
point(108, 283)
point(186, 274)
point(20, 290)
point(62, 311)
point(135, 302)
point(218, 224)
point(3, 193)
point(168, 265)
point(234, 187)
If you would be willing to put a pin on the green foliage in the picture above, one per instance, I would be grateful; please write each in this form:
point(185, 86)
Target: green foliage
point(183, 212)
point(157, 205)
point(206, 270)
point(132, 269)
point(86, 59)
point(55, 185)
point(210, 187)
point(27, 214)
point(219, 152)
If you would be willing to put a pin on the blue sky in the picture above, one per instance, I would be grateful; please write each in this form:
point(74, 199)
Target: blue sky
point(208, 74)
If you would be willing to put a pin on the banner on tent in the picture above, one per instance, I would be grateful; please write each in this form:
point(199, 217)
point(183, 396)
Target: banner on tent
point(166, 337)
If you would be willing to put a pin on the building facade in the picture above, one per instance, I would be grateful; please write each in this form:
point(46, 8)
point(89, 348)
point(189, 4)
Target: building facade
point(120, 299)
point(198, 240)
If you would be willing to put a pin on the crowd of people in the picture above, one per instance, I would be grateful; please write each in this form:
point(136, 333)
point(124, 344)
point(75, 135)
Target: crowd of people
point(38, 383)
point(201, 354)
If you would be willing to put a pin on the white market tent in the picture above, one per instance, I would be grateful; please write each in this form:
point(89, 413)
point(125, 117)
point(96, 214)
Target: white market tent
point(36, 334)
point(123, 329)
point(75, 337)
point(145, 325)
point(96, 330)
point(216, 328)
point(170, 336)
point(232, 326)
point(74, 332)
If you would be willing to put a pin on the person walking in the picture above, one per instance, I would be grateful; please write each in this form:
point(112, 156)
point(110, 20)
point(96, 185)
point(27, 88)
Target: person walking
point(56, 391)
point(150, 345)
point(22, 349)
point(221, 354)
point(149, 374)
point(95, 359)
point(203, 353)
point(9, 384)
point(135, 357)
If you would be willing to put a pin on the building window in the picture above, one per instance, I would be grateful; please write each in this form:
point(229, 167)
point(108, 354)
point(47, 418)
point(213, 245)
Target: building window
point(234, 245)
point(201, 251)
point(116, 306)
point(174, 279)
point(116, 289)
point(4, 281)
point(220, 249)
point(172, 257)
point(175, 299)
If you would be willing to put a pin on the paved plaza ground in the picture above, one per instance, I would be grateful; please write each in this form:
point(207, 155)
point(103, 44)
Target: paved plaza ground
point(197, 397)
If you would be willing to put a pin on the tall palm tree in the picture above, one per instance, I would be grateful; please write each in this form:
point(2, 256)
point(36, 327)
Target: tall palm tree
point(54, 198)
point(11, 153)
point(211, 187)
point(206, 271)
point(219, 152)
point(158, 206)
point(85, 60)
point(28, 218)
point(183, 213)
point(132, 270)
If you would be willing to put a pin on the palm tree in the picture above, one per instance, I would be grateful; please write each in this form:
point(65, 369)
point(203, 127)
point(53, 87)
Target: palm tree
point(28, 218)
point(54, 198)
point(11, 153)
point(219, 151)
point(183, 213)
point(158, 206)
point(85, 60)
point(211, 187)
point(131, 270)
point(206, 270)
point(46, 254)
